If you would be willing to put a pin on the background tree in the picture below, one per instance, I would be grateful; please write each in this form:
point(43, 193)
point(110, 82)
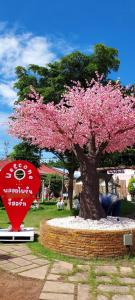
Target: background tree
point(54, 182)
point(125, 158)
point(26, 151)
point(50, 82)
point(131, 187)
point(88, 121)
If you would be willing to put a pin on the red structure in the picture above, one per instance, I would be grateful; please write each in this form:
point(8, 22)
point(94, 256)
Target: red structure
point(43, 170)
point(19, 185)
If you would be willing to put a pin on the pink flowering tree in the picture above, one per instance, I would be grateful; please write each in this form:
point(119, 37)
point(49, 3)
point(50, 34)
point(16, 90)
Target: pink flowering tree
point(87, 121)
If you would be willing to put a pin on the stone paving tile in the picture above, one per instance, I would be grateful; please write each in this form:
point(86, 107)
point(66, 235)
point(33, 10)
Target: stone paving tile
point(38, 273)
point(61, 267)
point(84, 292)
point(102, 297)
point(53, 277)
point(20, 261)
point(5, 261)
point(6, 248)
point(29, 257)
point(19, 253)
point(106, 269)
point(41, 261)
point(83, 267)
point(25, 268)
point(2, 252)
point(103, 278)
point(58, 287)
point(121, 297)
point(126, 270)
point(127, 280)
point(113, 288)
point(54, 296)
point(20, 250)
point(10, 266)
point(78, 277)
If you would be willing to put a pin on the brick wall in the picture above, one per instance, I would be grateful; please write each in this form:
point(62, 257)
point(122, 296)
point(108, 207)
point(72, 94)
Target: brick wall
point(84, 243)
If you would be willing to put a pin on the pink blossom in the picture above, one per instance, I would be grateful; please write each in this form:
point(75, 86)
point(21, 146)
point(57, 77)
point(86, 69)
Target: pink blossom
point(98, 111)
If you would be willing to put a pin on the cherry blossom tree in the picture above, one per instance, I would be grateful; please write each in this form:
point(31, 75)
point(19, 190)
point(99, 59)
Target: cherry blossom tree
point(88, 121)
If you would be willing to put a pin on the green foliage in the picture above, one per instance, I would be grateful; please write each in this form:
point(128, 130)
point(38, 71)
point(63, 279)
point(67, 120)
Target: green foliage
point(55, 183)
point(26, 151)
point(50, 81)
point(126, 158)
point(131, 186)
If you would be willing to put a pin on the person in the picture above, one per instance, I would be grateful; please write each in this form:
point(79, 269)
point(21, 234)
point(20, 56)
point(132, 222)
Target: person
point(105, 200)
point(116, 205)
point(60, 204)
point(111, 204)
point(76, 203)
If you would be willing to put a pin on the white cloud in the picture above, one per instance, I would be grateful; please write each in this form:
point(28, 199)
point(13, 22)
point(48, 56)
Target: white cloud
point(7, 93)
point(23, 50)
point(20, 50)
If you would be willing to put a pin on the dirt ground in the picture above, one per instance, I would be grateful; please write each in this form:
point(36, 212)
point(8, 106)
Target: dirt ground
point(14, 287)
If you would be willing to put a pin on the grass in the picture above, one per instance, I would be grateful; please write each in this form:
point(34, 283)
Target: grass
point(49, 211)
point(37, 248)
point(35, 216)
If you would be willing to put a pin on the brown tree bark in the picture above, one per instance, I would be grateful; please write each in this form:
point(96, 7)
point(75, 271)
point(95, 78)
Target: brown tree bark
point(70, 188)
point(90, 207)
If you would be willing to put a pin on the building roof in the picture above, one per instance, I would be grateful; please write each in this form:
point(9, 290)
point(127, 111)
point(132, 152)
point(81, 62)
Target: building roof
point(43, 170)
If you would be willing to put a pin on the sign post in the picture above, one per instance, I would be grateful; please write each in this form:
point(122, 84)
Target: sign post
point(19, 185)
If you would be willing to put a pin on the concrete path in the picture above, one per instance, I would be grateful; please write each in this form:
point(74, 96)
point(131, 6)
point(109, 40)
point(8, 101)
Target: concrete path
point(64, 281)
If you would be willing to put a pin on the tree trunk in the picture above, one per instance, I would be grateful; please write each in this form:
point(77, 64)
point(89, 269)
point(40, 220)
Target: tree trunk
point(70, 189)
point(90, 207)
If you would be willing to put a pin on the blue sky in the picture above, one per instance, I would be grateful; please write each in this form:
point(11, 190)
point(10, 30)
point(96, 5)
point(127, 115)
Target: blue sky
point(41, 31)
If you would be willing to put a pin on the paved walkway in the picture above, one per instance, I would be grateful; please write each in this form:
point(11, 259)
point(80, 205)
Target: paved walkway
point(65, 281)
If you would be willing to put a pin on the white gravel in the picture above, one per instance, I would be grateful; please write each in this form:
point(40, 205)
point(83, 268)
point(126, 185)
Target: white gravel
point(110, 223)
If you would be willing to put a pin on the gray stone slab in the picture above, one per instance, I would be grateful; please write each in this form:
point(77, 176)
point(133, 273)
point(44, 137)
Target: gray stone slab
point(84, 292)
point(113, 289)
point(29, 257)
point(7, 249)
point(78, 277)
point(83, 267)
point(54, 296)
point(103, 278)
point(10, 266)
point(21, 269)
point(127, 280)
point(5, 261)
point(58, 287)
point(18, 253)
point(126, 270)
point(2, 252)
point(53, 277)
point(38, 273)
point(122, 297)
point(106, 269)
point(61, 267)
point(40, 261)
point(102, 297)
point(20, 261)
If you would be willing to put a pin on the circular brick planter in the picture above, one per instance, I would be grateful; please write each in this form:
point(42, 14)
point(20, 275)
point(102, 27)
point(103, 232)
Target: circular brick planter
point(85, 243)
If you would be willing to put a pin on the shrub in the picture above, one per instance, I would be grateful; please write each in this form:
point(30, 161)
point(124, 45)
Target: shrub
point(131, 186)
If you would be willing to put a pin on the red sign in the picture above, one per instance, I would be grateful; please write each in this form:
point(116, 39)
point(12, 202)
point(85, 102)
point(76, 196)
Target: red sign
point(19, 184)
